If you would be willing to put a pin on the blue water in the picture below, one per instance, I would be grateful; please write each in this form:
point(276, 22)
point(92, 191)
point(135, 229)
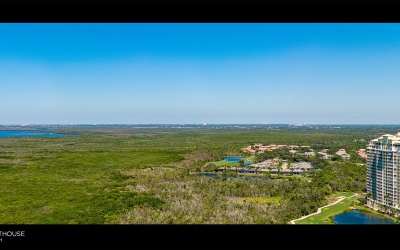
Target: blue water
point(22, 133)
point(236, 159)
point(233, 159)
point(355, 217)
point(236, 177)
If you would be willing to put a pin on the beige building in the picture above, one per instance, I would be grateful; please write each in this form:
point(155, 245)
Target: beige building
point(383, 182)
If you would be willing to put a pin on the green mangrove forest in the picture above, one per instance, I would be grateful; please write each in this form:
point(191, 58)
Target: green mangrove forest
point(148, 174)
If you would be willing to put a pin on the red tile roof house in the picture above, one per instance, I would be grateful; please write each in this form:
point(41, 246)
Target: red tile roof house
point(287, 171)
point(263, 148)
point(361, 153)
point(270, 161)
point(249, 149)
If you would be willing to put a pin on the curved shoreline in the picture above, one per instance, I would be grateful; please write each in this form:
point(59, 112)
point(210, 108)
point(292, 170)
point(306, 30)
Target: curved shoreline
point(320, 209)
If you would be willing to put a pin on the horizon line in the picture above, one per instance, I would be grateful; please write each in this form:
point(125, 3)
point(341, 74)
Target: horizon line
point(202, 124)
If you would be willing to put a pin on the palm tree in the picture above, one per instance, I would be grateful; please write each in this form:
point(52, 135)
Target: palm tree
point(241, 165)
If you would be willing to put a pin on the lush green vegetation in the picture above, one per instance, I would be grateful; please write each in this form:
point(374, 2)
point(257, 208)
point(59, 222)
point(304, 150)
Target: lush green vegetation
point(128, 174)
point(223, 163)
point(328, 212)
point(352, 201)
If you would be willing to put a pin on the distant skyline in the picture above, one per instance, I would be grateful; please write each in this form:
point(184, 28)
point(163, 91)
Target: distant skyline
point(193, 73)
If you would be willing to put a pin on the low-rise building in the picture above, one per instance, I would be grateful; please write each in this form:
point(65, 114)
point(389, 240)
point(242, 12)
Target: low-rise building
point(254, 171)
point(302, 165)
point(243, 170)
point(264, 164)
point(297, 171)
point(309, 154)
point(274, 171)
point(362, 153)
point(222, 169)
point(343, 154)
point(325, 155)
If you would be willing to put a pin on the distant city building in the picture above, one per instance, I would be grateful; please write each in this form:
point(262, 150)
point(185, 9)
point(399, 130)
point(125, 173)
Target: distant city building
point(383, 171)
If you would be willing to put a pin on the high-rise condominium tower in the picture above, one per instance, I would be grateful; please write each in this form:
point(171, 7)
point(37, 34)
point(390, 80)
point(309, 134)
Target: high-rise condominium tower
point(383, 174)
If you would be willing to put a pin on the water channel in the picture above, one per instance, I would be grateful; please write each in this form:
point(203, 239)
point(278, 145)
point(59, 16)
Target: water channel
point(27, 133)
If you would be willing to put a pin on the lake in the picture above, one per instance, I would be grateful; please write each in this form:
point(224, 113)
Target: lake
point(28, 133)
point(356, 217)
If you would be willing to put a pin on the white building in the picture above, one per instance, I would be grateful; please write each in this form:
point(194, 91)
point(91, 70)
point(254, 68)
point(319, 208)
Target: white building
point(383, 171)
point(325, 155)
point(344, 155)
point(302, 165)
point(309, 154)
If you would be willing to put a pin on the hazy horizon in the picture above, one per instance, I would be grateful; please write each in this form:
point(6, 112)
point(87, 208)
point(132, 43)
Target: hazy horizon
point(203, 124)
point(193, 73)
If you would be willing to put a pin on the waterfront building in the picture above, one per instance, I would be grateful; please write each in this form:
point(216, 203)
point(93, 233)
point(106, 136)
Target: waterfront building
point(383, 184)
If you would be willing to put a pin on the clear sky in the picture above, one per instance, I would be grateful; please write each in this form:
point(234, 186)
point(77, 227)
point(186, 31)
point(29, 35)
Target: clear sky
point(194, 73)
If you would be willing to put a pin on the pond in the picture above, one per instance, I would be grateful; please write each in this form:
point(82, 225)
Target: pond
point(236, 159)
point(233, 158)
point(27, 133)
point(357, 217)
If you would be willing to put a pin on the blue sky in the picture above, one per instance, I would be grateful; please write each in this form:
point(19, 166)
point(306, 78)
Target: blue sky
point(134, 73)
